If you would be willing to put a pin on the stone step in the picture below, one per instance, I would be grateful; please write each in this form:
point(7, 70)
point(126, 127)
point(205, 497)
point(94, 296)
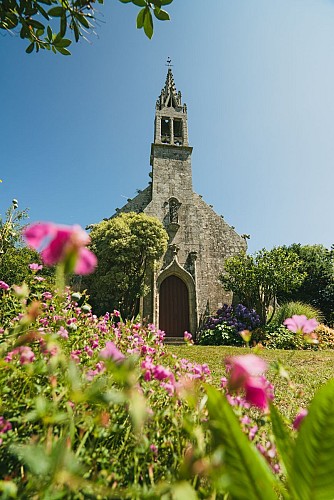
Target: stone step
point(174, 340)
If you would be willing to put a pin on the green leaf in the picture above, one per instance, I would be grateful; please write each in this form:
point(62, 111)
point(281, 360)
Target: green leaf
point(125, 1)
point(283, 438)
point(49, 32)
point(162, 15)
point(312, 477)
point(76, 32)
point(36, 24)
point(251, 478)
point(42, 11)
point(56, 11)
point(140, 18)
point(148, 23)
point(165, 2)
point(139, 3)
point(63, 25)
point(30, 48)
point(64, 42)
point(83, 20)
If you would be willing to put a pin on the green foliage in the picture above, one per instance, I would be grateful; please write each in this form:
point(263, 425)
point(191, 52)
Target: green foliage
point(37, 20)
point(249, 475)
point(312, 473)
point(127, 247)
point(221, 335)
point(257, 280)
point(288, 309)
point(279, 337)
point(318, 287)
point(307, 459)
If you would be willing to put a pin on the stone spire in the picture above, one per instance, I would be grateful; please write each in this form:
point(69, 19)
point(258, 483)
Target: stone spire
point(169, 96)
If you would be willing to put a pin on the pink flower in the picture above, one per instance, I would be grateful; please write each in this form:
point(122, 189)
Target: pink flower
point(4, 286)
point(300, 324)
point(299, 418)
point(111, 352)
point(5, 426)
point(35, 267)
point(243, 367)
point(65, 244)
point(62, 332)
point(187, 337)
point(257, 393)
point(246, 372)
point(26, 355)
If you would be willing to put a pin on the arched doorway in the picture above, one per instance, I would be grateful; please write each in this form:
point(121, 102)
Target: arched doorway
point(174, 307)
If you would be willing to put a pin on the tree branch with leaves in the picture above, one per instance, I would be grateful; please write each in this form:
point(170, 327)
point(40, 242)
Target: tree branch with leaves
point(46, 23)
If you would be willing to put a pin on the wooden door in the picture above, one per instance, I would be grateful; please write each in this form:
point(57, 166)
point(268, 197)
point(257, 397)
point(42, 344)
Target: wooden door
point(174, 307)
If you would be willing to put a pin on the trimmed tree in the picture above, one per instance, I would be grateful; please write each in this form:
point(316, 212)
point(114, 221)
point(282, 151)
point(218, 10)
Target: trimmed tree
point(127, 247)
point(257, 280)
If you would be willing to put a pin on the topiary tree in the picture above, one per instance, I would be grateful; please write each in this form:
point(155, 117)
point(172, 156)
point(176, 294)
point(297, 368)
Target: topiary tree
point(257, 280)
point(126, 247)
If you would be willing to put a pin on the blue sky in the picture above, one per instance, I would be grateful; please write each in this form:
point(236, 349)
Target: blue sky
point(258, 80)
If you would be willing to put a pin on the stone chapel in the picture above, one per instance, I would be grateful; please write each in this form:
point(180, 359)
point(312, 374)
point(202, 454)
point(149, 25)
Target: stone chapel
point(186, 286)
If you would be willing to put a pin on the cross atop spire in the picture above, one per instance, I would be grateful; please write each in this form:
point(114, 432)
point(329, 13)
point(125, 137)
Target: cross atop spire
point(169, 62)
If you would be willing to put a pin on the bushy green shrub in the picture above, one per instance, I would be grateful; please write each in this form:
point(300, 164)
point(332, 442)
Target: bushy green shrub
point(278, 337)
point(223, 334)
point(289, 309)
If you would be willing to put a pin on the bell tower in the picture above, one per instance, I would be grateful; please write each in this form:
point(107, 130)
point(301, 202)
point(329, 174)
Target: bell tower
point(170, 151)
point(171, 116)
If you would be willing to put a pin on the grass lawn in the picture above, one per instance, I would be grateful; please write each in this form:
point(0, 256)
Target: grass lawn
point(308, 370)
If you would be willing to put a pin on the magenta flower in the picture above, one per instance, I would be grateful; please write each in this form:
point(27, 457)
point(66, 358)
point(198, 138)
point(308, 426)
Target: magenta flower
point(257, 392)
point(299, 418)
point(4, 286)
point(35, 267)
point(111, 352)
point(300, 324)
point(65, 244)
point(246, 372)
point(26, 355)
point(243, 367)
point(161, 373)
point(5, 426)
point(188, 338)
